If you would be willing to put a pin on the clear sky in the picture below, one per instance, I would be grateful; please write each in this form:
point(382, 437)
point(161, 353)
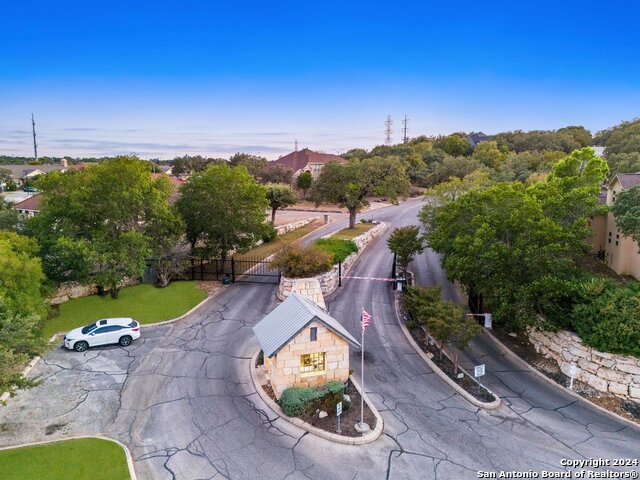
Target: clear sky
point(214, 77)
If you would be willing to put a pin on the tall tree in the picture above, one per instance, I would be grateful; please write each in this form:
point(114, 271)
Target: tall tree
point(406, 243)
point(9, 218)
point(255, 164)
point(224, 208)
point(279, 196)
point(626, 209)
point(350, 184)
point(104, 210)
point(304, 182)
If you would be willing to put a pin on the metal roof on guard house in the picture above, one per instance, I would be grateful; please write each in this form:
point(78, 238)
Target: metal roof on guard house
point(285, 321)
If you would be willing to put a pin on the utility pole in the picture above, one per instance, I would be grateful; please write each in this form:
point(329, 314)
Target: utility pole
point(35, 145)
point(405, 122)
point(296, 149)
point(388, 131)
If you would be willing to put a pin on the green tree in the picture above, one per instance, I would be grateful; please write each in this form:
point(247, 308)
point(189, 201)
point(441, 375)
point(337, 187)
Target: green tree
point(623, 138)
point(489, 155)
point(498, 242)
point(350, 184)
point(11, 186)
point(167, 239)
point(224, 208)
point(623, 163)
point(276, 174)
point(21, 276)
point(279, 196)
point(105, 210)
point(626, 210)
point(254, 164)
point(406, 243)
point(9, 218)
point(456, 145)
point(304, 182)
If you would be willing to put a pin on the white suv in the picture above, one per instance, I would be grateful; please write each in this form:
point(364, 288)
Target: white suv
point(103, 332)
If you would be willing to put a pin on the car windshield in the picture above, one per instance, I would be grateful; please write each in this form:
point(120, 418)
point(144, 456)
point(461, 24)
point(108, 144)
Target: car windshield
point(133, 324)
point(88, 328)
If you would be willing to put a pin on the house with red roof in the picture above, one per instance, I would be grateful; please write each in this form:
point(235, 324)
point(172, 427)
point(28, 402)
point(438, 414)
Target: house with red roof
point(29, 207)
point(306, 160)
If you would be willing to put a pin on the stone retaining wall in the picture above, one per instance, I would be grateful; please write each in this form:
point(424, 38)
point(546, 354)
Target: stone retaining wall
point(607, 372)
point(329, 280)
point(294, 225)
point(75, 290)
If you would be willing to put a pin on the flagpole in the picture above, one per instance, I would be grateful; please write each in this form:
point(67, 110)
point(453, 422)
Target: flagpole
point(362, 427)
point(362, 374)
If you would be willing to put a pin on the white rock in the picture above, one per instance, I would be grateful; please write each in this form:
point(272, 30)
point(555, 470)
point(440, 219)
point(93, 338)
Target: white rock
point(347, 398)
point(323, 414)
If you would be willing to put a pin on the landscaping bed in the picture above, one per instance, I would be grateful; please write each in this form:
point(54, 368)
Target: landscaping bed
point(145, 303)
point(77, 459)
point(348, 419)
point(446, 365)
point(351, 233)
point(521, 346)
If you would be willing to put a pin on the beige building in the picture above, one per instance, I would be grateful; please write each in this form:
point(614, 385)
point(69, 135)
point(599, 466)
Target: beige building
point(621, 253)
point(303, 345)
point(306, 160)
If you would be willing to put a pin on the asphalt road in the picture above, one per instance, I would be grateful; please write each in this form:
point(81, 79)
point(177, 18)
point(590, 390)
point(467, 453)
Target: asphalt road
point(181, 398)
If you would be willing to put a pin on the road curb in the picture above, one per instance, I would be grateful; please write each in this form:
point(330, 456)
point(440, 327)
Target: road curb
point(507, 351)
point(486, 405)
point(127, 453)
point(333, 437)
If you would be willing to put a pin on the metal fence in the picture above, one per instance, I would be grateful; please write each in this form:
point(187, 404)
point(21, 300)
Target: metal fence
point(241, 269)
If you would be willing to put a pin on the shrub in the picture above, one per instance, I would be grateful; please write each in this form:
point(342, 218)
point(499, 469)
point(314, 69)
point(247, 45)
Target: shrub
point(268, 233)
point(299, 261)
point(339, 249)
point(295, 401)
point(609, 319)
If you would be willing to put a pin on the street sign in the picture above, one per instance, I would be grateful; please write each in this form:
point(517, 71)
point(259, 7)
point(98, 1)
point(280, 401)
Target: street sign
point(487, 320)
point(339, 409)
point(572, 373)
point(478, 371)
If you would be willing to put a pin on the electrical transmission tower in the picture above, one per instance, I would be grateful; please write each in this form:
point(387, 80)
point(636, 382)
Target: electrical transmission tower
point(405, 122)
point(388, 131)
point(35, 145)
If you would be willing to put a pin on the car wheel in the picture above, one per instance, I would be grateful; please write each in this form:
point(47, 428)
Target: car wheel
point(80, 346)
point(125, 341)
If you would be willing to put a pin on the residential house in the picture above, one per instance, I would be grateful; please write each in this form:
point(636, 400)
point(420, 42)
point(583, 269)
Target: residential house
point(621, 253)
point(21, 174)
point(29, 207)
point(306, 160)
point(303, 345)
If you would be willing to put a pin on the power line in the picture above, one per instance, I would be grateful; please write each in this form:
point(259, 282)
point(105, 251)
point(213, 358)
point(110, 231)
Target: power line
point(405, 122)
point(388, 131)
point(35, 145)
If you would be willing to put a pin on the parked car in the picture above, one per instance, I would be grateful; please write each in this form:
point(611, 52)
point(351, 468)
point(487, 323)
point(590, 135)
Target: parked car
point(103, 332)
point(29, 189)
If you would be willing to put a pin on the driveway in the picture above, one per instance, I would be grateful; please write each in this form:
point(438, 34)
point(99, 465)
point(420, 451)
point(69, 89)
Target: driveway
point(181, 399)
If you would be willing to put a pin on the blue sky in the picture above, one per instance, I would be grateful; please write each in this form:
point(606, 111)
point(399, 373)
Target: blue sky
point(169, 78)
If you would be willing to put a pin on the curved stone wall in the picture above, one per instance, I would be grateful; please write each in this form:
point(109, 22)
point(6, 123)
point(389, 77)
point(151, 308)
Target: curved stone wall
point(607, 372)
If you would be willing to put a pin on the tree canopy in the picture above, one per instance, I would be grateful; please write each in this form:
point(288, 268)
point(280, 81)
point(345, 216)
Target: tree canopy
point(279, 196)
point(626, 209)
point(406, 243)
point(93, 222)
point(350, 184)
point(224, 210)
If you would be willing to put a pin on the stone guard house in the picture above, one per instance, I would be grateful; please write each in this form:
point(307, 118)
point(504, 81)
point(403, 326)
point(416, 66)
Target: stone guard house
point(303, 345)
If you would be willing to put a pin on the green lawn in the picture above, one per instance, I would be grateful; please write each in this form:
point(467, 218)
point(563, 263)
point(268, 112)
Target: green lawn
point(80, 459)
point(144, 303)
point(351, 233)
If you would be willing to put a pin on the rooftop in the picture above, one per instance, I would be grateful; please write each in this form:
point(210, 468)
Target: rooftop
point(31, 203)
point(301, 158)
point(286, 320)
point(628, 180)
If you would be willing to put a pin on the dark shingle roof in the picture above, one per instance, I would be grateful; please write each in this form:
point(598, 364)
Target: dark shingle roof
point(628, 180)
point(286, 320)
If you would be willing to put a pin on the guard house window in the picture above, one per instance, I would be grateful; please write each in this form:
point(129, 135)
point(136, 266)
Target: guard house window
point(314, 334)
point(313, 362)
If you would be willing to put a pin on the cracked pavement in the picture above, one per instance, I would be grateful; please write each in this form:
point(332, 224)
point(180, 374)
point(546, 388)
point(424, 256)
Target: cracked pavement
point(182, 400)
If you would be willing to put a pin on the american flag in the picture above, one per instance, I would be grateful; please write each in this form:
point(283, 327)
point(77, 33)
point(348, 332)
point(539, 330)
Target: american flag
point(366, 318)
